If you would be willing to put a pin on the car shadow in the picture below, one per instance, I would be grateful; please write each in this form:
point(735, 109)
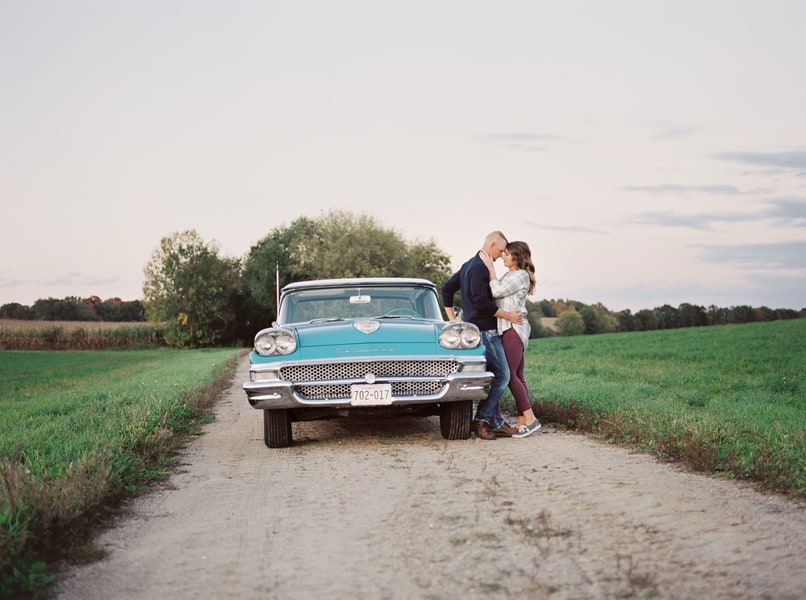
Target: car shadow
point(366, 430)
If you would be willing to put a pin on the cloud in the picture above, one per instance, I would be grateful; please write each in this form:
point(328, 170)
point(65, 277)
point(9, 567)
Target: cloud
point(666, 188)
point(787, 211)
point(790, 160)
point(671, 131)
point(524, 142)
point(783, 212)
point(78, 279)
point(776, 255)
point(6, 282)
point(702, 221)
point(566, 228)
point(671, 219)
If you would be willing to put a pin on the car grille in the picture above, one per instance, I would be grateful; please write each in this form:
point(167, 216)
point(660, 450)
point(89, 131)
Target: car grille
point(327, 380)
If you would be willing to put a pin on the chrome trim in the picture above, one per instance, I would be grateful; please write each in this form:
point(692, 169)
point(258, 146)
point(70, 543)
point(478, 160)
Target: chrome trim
point(283, 394)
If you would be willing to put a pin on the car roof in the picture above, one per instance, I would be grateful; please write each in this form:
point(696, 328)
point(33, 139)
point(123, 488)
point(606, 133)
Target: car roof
point(358, 282)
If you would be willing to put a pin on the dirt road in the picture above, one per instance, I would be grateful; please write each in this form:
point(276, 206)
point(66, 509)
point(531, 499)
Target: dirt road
point(391, 510)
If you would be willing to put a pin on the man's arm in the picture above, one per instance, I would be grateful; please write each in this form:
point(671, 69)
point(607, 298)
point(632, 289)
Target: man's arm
point(449, 289)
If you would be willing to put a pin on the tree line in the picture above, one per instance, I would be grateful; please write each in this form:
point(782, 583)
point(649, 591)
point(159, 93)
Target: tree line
point(73, 308)
point(576, 318)
point(205, 299)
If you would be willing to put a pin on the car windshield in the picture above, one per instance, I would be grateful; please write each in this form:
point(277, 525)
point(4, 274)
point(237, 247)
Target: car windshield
point(350, 302)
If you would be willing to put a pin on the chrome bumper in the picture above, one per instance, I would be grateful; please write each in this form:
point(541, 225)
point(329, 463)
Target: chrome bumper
point(270, 395)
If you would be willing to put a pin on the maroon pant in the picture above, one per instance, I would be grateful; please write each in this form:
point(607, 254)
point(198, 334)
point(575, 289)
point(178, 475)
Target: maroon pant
point(513, 348)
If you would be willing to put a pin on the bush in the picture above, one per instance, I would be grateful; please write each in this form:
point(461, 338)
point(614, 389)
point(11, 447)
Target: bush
point(570, 323)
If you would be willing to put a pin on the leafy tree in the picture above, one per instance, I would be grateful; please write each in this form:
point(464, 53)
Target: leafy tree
point(426, 260)
point(742, 314)
point(117, 310)
point(70, 308)
point(668, 317)
point(765, 313)
point(537, 330)
point(15, 310)
point(627, 321)
point(647, 319)
point(338, 244)
point(606, 321)
point(358, 247)
point(691, 315)
point(534, 316)
point(717, 316)
point(588, 317)
point(192, 289)
point(570, 322)
point(547, 309)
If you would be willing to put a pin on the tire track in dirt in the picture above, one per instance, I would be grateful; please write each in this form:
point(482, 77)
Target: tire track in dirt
point(388, 509)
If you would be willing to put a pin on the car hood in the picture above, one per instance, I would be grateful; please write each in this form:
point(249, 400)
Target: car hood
point(391, 332)
point(341, 340)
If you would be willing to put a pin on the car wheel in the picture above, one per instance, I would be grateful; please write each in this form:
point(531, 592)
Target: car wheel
point(276, 428)
point(454, 419)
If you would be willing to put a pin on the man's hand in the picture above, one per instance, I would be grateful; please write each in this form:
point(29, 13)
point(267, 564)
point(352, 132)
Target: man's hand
point(513, 316)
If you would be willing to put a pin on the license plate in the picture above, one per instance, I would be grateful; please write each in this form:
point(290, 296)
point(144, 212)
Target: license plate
point(374, 394)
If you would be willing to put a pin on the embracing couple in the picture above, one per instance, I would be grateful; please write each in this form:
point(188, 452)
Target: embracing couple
point(498, 308)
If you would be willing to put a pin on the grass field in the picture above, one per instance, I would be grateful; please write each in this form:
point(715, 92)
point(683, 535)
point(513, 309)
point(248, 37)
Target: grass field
point(724, 399)
point(80, 431)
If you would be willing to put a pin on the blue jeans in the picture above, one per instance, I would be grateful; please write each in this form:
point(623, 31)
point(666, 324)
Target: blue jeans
point(489, 409)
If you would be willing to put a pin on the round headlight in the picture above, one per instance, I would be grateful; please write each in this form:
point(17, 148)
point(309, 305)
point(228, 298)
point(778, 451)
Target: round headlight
point(449, 337)
point(471, 337)
point(273, 342)
point(264, 344)
point(285, 343)
point(460, 335)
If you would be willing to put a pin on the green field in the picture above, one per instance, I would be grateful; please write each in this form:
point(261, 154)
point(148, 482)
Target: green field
point(724, 399)
point(80, 431)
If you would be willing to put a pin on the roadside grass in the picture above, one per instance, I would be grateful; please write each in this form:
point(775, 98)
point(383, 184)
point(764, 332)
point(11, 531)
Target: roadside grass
point(728, 399)
point(80, 432)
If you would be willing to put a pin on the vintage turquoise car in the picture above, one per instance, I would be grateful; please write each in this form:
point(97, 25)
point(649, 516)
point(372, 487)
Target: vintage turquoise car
point(368, 346)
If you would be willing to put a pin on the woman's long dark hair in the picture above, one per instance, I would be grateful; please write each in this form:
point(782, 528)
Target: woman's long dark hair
point(522, 257)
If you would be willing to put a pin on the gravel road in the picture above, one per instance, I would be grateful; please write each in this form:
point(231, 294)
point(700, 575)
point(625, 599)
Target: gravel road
point(360, 509)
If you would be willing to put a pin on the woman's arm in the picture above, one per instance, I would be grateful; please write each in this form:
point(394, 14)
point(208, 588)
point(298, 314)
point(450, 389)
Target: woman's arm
point(489, 263)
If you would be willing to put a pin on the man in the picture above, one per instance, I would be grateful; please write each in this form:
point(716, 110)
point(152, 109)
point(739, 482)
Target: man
point(473, 280)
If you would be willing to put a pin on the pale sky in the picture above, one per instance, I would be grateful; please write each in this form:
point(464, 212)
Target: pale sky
point(650, 152)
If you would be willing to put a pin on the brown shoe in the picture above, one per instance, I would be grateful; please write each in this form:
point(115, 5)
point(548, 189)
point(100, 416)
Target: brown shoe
point(506, 430)
point(482, 430)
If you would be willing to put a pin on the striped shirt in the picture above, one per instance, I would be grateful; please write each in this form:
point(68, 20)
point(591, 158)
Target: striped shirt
point(509, 294)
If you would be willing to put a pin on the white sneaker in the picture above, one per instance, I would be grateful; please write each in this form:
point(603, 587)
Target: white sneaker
point(527, 430)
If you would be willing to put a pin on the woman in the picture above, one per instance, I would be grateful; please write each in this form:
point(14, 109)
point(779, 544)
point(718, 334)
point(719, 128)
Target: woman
point(510, 293)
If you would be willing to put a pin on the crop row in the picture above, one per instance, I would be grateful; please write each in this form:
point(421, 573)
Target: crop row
point(39, 335)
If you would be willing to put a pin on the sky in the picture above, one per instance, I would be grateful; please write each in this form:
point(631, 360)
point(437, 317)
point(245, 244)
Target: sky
point(649, 152)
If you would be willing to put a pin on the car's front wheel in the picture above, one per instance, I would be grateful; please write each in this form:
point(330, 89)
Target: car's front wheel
point(455, 418)
point(276, 428)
